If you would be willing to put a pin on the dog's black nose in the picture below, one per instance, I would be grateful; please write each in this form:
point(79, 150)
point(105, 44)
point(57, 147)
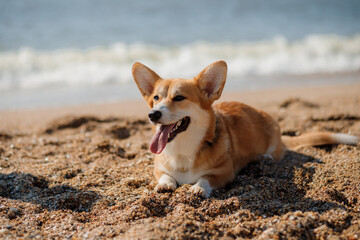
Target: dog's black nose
point(154, 116)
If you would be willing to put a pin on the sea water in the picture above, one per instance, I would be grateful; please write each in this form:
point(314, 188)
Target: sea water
point(68, 52)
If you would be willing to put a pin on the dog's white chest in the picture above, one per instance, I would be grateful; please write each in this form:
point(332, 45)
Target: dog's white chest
point(182, 170)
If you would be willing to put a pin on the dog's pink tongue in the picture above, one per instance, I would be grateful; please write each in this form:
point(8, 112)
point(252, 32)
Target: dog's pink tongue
point(160, 139)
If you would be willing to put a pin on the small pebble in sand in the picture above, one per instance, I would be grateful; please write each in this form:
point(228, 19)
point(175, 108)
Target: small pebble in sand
point(13, 213)
point(4, 231)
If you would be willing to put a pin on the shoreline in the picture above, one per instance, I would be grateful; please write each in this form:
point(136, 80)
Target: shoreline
point(55, 97)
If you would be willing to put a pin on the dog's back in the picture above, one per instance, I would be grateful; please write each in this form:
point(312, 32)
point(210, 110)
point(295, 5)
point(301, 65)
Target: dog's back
point(252, 133)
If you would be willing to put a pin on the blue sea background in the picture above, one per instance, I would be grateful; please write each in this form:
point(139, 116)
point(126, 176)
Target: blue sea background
point(71, 52)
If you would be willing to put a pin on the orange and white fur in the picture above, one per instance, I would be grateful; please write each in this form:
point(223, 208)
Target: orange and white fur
point(204, 145)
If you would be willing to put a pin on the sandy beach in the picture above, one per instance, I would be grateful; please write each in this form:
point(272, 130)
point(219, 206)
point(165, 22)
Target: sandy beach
point(85, 172)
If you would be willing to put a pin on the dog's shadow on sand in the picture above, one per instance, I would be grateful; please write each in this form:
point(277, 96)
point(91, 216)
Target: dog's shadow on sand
point(271, 187)
point(29, 188)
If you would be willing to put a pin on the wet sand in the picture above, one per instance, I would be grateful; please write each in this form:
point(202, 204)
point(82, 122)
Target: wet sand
point(86, 172)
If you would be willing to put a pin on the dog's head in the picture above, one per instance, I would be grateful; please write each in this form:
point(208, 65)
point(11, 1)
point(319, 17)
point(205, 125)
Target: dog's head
point(177, 103)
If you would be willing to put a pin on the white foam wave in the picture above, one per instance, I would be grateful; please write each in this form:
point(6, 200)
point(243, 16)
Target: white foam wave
point(28, 68)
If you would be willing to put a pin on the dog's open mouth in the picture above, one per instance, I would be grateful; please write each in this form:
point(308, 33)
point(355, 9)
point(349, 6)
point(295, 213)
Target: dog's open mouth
point(166, 133)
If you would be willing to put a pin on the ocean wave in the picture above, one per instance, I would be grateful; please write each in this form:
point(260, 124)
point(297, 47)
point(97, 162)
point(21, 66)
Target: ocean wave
point(30, 69)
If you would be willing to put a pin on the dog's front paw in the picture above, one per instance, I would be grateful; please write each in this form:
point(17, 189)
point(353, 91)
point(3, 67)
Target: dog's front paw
point(200, 191)
point(165, 187)
point(202, 188)
point(166, 184)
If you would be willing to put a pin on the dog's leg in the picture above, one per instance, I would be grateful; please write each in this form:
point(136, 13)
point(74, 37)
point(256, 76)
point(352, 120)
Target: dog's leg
point(166, 183)
point(217, 178)
point(202, 188)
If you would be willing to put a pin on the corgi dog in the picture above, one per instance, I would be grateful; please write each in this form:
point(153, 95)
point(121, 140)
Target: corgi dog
point(205, 145)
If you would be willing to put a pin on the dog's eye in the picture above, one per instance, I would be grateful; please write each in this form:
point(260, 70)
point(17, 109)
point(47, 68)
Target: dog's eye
point(178, 98)
point(156, 97)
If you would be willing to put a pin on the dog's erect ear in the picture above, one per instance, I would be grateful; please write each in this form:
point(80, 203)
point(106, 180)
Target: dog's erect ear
point(212, 80)
point(145, 79)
